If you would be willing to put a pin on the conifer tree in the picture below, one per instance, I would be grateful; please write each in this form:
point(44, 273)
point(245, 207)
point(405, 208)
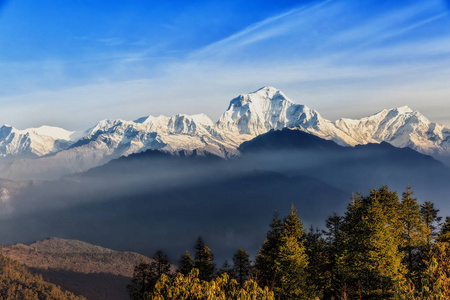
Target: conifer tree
point(334, 239)
point(444, 233)
point(414, 233)
point(333, 225)
point(227, 268)
point(293, 226)
point(186, 264)
point(160, 265)
point(147, 274)
point(431, 218)
point(318, 270)
point(241, 265)
point(372, 233)
point(282, 261)
point(291, 264)
point(204, 260)
point(292, 261)
point(267, 255)
point(141, 281)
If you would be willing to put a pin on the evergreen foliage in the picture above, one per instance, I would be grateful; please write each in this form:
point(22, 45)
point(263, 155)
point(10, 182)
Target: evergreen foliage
point(292, 260)
point(227, 268)
point(241, 266)
point(435, 282)
point(335, 252)
point(382, 248)
point(444, 233)
point(266, 269)
point(414, 234)
point(282, 260)
point(372, 259)
point(186, 264)
point(204, 261)
point(141, 281)
point(147, 274)
point(291, 267)
point(319, 268)
point(431, 218)
point(160, 265)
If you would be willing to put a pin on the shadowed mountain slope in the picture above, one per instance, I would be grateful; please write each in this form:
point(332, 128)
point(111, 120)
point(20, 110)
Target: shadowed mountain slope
point(17, 282)
point(84, 269)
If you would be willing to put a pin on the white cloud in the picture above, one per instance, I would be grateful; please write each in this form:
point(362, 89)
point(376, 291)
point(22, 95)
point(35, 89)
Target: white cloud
point(314, 60)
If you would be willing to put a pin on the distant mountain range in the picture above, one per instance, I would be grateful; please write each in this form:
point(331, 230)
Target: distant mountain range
point(50, 152)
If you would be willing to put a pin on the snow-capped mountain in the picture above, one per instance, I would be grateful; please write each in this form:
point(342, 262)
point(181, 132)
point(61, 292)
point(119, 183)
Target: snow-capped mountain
point(34, 142)
point(247, 116)
point(268, 108)
point(180, 132)
point(401, 127)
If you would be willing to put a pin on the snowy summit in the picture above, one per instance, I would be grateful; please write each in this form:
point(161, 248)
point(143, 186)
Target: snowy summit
point(247, 116)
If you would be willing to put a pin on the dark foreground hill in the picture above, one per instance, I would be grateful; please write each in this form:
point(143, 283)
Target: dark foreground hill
point(84, 269)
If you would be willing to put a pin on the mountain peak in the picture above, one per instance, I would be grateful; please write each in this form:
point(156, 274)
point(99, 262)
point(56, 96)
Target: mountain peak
point(266, 89)
point(271, 93)
point(266, 109)
point(54, 132)
point(404, 109)
point(260, 99)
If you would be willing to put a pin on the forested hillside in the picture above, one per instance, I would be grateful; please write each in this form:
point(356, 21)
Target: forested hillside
point(16, 282)
point(82, 268)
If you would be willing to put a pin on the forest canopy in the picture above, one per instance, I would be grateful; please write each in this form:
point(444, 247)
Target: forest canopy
point(385, 246)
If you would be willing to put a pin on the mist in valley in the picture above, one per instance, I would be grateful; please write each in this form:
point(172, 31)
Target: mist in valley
point(154, 200)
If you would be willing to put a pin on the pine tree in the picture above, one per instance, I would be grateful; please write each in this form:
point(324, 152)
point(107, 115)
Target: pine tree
point(371, 233)
point(293, 226)
point(141, 281)
point(227, 268)
point(444, 233)
point(334, 240)
point(318, 270)
point(430, 216)
point(292, 261)
point(291, 265)
point(241, 265)
point(333, 225)
point(282, 261)
point(160, 265)
point(186, 264)
point(204, 260)
point(414, 233)
point(265, 260)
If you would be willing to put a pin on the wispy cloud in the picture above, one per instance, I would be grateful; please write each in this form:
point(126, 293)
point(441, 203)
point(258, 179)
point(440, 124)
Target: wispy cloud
point(332, 56)
point(269, 28)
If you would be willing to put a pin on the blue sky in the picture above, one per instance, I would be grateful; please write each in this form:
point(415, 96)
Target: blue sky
point(72, 63)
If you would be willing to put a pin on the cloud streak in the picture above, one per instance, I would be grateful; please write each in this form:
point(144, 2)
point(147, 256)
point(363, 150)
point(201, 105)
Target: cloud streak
point(349, 66)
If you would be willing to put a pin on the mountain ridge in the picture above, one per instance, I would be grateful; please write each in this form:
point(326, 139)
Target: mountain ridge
point(247, 116)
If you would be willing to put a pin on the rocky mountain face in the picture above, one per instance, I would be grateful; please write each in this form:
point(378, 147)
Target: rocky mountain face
point(247, 116)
